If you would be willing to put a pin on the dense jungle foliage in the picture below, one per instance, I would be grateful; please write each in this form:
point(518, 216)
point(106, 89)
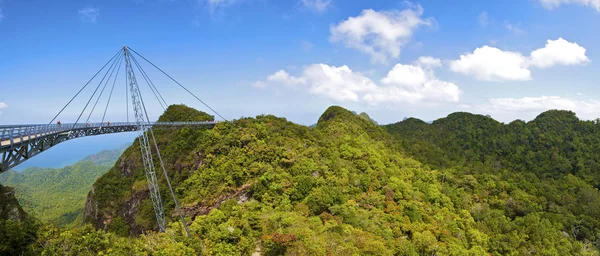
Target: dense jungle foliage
point(463, 185)
point(17, 229)
point(58, 195)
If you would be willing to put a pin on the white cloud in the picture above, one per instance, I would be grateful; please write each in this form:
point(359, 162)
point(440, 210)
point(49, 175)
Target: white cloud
point(492, 64)
point(533, 103)
point(402, 84)
point(1, 14)
point(483, 19)
point(89, 14)
point(558, 52)
point(319, 6)
point(587, 109)
point(555, 3)
point(428, 62)
point(413, 84)
point(379, 34)
point(284, 77)
point(488, 63)
point(514, 28)
point(337, 83)
point(2, 106)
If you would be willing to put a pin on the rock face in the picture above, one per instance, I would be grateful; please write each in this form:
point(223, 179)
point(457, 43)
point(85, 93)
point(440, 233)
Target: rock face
point(119, 200)
point(9, 206)
point(101, 213)
point(242, 194)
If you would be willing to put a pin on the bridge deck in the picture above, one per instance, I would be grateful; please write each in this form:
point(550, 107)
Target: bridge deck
point(8, 142)
point(21, 142)
point(13, 134)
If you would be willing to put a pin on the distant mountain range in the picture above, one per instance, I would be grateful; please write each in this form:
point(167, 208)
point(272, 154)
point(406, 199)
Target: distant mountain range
point(58, 195)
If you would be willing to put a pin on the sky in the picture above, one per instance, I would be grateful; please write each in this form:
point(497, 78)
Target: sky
point(510, 59)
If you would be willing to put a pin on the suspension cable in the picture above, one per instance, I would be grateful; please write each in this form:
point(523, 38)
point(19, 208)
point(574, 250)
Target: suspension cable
point(148, 79)
point(162, 165)
point(147, 82)
point(84, 87)
point(177, 83)
point(127, 97)
point(86, 105)
point(113, 87)
point(103, 88)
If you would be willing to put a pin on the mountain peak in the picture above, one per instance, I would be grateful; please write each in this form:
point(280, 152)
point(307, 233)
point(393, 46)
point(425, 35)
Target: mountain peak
point(183, 113)
point(335, 112)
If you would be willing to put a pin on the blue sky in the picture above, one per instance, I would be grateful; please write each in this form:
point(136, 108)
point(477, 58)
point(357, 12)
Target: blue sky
point(293, 58)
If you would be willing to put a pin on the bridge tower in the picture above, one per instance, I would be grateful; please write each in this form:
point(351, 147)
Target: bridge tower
point(142, 120)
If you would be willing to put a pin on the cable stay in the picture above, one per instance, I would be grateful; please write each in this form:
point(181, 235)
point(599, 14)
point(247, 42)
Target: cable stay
point(178, 83)
point(112, 89)
point(97, 87)
point(147, 78)
point(86, 84)
point(140, 114)
point(149, 85)
point(104, 87)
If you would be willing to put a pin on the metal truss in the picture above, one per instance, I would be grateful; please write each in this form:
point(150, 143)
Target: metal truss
point(141, 117)
point(19, 143)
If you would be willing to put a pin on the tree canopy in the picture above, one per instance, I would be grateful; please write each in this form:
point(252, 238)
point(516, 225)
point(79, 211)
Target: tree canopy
point(463, 185)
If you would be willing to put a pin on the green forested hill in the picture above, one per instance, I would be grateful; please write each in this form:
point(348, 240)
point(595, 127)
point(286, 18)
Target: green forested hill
point(349, 186)
point(547, 167)
point(58, 195)
point(463, 185)
point(17, 229)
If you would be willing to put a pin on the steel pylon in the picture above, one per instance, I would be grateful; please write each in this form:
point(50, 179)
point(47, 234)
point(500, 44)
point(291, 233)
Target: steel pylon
point(141, 118)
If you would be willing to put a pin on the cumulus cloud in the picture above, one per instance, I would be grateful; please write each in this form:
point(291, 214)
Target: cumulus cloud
point(558, 52)
point(381, 35)
point(402, 84)
point(319, 6)
point(488, 63)
point(428, 62)
point(283, 77)
point(550, 4)
point(89, 14)
point(492, 64)
point(587, 109)
point(413, 84)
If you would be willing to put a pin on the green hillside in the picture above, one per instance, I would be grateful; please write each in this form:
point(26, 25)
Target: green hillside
point(17, 229)
point(58, 195)
point(349, 186)
point(463, 185)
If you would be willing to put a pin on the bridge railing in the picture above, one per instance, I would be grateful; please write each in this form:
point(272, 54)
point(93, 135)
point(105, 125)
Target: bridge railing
point(19, 133)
